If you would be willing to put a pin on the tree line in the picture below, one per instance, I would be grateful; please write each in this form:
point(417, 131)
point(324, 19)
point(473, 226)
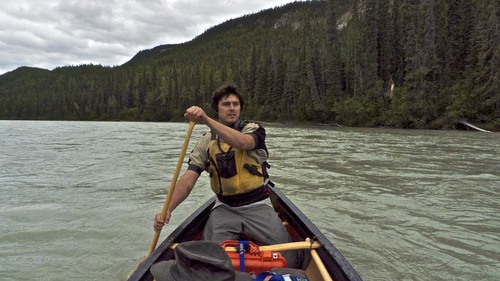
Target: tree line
point(407, 64)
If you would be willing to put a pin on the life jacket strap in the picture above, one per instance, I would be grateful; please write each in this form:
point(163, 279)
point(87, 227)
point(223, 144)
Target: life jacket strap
point(253, 170)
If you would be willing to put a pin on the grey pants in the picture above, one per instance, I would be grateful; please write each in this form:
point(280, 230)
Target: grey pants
point(257, 222)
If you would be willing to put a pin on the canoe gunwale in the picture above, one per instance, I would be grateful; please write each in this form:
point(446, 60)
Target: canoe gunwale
point(340, 269)
point(184, 232)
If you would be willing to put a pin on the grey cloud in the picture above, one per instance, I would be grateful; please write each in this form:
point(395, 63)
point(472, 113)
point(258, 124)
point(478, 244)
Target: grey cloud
point(71, 32)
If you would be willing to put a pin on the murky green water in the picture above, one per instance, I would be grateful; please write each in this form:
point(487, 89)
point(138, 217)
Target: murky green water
point(77, 198)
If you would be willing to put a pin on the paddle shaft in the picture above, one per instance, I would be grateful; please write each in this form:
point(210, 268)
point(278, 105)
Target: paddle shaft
point(166, 204)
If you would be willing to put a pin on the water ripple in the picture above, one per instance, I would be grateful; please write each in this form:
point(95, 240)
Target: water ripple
point(77, 198)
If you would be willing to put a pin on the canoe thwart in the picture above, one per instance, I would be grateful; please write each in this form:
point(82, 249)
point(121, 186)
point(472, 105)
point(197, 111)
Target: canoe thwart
point(301, 245)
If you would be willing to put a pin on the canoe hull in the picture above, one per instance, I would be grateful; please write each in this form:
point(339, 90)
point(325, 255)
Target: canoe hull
point(300, 228)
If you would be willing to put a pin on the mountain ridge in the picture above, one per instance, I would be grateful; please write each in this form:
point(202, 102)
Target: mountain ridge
point(402, 64)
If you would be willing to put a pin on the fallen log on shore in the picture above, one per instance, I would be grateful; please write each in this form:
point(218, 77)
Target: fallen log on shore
point(469, 125)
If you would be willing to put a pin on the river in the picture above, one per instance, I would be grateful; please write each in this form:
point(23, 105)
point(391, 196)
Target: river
point(77, 199)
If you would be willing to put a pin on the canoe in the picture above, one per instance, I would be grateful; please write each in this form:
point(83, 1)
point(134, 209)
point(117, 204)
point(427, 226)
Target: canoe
point(326, 262)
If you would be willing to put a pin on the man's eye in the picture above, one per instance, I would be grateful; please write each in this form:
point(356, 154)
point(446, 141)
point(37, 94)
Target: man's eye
point(227, 103)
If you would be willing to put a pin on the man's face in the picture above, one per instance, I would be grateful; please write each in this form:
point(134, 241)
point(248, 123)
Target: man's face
point(229, 109)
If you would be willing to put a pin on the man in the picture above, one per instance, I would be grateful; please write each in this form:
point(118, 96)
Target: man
point(234, 153)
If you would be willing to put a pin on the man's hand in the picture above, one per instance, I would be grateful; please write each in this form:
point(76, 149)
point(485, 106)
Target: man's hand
point(159, 223)
point(195, 114)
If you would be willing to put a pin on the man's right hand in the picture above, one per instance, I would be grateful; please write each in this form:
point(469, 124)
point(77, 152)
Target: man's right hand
point(195, 114)
point(159, 223)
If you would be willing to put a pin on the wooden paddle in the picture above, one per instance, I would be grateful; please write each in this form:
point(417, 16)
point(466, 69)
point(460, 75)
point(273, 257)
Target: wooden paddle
point(166, 204)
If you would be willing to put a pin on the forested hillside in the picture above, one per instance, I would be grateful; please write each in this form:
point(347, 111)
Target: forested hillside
point(407, 64)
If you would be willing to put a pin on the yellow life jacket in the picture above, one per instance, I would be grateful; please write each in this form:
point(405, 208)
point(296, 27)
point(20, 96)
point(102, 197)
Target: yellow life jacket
point(233, 171)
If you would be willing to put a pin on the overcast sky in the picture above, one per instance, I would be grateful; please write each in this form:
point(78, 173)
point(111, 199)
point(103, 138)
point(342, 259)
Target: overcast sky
point(52, 33)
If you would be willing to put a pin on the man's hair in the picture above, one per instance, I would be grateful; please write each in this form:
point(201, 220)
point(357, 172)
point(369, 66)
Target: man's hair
point(222, 92)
